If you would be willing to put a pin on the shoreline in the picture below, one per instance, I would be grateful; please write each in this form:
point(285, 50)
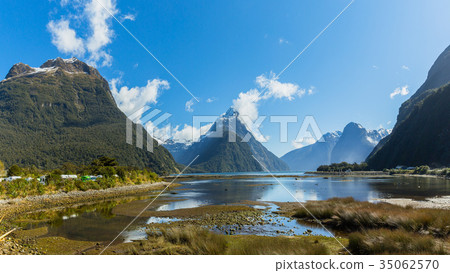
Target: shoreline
point(374, 174)
point(442, 202)
point(9, 208)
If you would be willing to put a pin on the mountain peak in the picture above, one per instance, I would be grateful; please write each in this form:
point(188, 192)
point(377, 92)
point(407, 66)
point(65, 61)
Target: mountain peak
point(353, 125)
point(231, 112)
point(72, 65)
point(17, 69)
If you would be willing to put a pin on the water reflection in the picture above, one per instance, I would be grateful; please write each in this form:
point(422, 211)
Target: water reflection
point(97, 222)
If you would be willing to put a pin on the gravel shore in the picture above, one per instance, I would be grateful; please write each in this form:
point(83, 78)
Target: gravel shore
point(432, 203)
point(12, 207)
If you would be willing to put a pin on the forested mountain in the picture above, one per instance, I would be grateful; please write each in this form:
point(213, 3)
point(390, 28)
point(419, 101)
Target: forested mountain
point(422, 132)
point(63, 112)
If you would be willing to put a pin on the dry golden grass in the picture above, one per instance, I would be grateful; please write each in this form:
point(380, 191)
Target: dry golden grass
point(394, 242)
point(350, 215)
point(191, 239)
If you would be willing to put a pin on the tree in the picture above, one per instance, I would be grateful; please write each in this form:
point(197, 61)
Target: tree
point(107, 171)
point(14, 170)
point(2, 168)
point(104, 161)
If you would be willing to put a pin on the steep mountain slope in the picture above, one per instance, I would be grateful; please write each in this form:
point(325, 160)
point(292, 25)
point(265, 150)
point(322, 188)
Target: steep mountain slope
point(420, 136)
point(355, 143)
point(438, 75)
point(310, 157)
point(64, 112)
point(218, 155)
point(230, 122)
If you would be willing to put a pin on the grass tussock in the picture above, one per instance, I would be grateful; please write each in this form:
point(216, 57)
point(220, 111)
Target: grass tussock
point(350, 215)
point(393, 242)
point(189, 240)
point(192, 240)
point(262, 245)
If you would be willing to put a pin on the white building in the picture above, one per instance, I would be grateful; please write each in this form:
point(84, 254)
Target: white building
point(12, 178)
point(69, 176)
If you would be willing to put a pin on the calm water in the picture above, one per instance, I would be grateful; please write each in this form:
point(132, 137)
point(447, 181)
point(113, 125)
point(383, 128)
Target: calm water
point(98, 223)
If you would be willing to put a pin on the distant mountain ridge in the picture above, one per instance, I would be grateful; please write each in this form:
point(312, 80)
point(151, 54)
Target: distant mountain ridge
point(351, 145)
point(310, 157)
point(230, 159)
point(422, 132)
point(356, 143)
point(64, 111)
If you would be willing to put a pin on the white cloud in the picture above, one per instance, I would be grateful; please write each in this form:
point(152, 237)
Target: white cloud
point(100, 33)
point(278, 89)
point(402, 91)
point(209, 100)
point(305, 142)
point(404, 67)
point(129, 16)
point(130, 100)
point(65, 38)
point(389, 122)
point(375, 67)
point(188, 106)
point(189, 133)
point(246, 104)
point(311, 90)
point(101, 36)
point(283, 41)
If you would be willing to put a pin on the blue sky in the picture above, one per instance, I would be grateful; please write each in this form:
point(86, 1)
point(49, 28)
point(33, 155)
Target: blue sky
point(217, 49)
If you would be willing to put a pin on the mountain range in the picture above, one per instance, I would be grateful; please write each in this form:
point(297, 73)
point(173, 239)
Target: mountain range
point(422, 132)
point(64, 111)
point(351, 145)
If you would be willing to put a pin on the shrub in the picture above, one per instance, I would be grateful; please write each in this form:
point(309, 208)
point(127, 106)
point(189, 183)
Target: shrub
point(69, 185)
point(107, 171)
point(2, 189)
point(2, 168)
point(14, 170)
point(106, 183)
point(421, 169)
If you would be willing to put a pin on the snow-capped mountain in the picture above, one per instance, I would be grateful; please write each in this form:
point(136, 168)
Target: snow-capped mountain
point(70, 66)
point(351, 145)
point(310, 157)
point(231, 133)
point(356, 143)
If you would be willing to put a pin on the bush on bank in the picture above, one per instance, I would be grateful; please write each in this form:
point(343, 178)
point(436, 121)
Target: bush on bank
point(106, 170)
